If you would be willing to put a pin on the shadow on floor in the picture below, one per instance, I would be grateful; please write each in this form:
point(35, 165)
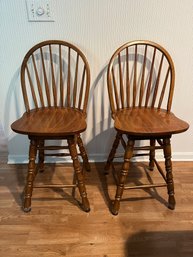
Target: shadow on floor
point(136, 173)
point(160, 244)
point(13, 177)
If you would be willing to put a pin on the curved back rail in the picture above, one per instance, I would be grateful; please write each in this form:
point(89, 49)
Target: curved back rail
point(140, 74)
point(55, 73)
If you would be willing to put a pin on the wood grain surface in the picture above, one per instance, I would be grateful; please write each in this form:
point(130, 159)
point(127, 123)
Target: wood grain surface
point(148, 122)
point(50, 122)
point(58, 227)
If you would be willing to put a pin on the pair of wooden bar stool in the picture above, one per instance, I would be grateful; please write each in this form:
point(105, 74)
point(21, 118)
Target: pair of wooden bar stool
point(55, 81)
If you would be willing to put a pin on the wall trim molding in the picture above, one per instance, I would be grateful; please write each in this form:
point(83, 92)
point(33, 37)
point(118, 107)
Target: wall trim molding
point(176, 156)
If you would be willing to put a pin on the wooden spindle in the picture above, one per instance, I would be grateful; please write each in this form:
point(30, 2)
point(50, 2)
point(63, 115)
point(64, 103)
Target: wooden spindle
point(68, 80)
point(163, 89)
point(24, 91)
point(110, 90)
point(171, 88)
point(141, 93)
point(75, 81)
point(53, 78)
point(61, 78)
point(38, 82)
point(45, 79)
point(150, 79)
point(135, 77)
point(127, 78)
point(115, 89)
point(121, 81)
point(32, 88)
point(81, 88)
point(157, 82)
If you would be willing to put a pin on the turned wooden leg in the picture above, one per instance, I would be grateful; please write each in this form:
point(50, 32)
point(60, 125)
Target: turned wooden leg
point(169, 176)
point(112, 152)
point(30, 176)
point(122, 177)
point(83, 153)
point(41, 156)
point(152, 155)
point(79, 174)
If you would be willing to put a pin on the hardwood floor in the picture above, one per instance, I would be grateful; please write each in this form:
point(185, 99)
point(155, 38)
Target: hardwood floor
point(56, 226)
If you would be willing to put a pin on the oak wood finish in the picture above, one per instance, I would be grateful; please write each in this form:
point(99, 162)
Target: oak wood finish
point(55, 80)
point(140, 81)
point(149, 122)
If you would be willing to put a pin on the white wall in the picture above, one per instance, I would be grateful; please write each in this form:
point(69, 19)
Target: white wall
point(98, 27)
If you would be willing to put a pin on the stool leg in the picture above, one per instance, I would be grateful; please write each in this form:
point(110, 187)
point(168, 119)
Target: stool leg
point(41, 156)
point(122, 177)
point(30, 176)
point(169, 176)
point(79, 174)
point(83, 153)
point(152, 154)
point(112, 152)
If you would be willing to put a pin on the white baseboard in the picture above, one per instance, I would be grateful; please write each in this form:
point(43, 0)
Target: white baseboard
point(176, 156)
point(23, 159)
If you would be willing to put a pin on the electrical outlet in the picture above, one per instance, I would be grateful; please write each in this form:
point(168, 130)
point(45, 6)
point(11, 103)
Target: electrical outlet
point(39, 10)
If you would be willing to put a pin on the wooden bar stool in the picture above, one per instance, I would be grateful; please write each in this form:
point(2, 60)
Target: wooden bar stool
point(140, 82)
point(55, 80)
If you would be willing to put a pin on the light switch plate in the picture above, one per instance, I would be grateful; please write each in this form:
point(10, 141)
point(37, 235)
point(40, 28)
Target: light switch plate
point(39, 10)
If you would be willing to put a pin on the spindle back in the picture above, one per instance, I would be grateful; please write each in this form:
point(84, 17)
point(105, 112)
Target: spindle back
point(55, 73)
point(140, 74)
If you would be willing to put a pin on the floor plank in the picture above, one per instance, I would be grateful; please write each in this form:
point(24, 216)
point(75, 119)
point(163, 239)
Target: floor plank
point(57, 226)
